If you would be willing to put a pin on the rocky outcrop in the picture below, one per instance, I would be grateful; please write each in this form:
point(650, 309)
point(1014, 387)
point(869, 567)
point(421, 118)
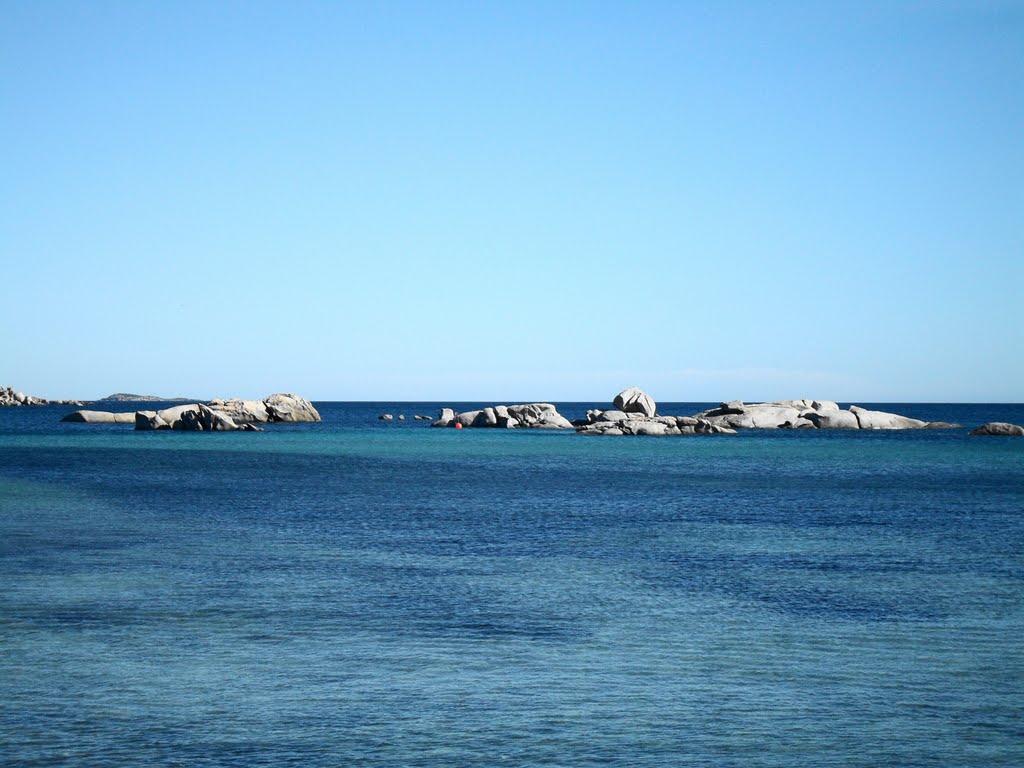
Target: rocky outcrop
point(9, 396)
point(222, 415)
point(290, 408)
point(192, 417)
point(242, 411)
point(219, 415)
point(524, 416)
point(634, 414)
point(808, 414)
point(620, 423)
point(999, 429)
point(277, 408)
point(635, 400)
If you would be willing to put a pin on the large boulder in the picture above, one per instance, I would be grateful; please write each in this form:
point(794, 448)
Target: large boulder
point(168, 418)
point(882, 420)
point(291, 408)
point(635, 400)
point(833, 419)
point(999, 429)
point(100, 417)
point(739, 415)
point(242, 411)
point(445, 418)
point(149, 420)
point(206, 419)
point(467, 418)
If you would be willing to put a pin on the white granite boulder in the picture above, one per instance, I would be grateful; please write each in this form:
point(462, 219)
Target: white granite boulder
point(635, 400)
point(780, 414)
point(286, 407)
point(100, 417)
point(242, 411)
point(833, 419)
point(882, 420)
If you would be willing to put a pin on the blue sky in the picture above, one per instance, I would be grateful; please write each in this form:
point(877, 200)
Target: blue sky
point(513, 201)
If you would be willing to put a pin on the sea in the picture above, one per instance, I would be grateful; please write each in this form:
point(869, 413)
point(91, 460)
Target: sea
point(357, 592)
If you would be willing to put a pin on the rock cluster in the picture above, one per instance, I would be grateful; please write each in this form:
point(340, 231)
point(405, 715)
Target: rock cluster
point(808, 414)
point(9, 396)
point(193, 417)
point(218, 415)
point(999, 429)
point(635, 413)
point(616, 422)
point(275, 409)
point(524, 416)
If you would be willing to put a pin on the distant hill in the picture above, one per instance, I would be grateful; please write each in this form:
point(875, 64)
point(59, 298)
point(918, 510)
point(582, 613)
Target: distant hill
point(127, 397)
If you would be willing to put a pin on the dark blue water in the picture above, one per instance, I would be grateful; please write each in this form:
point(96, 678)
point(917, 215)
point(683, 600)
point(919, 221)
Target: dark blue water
point(357, 592)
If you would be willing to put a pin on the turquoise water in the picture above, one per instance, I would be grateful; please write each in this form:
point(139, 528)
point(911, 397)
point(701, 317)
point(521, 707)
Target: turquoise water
point(355, 593)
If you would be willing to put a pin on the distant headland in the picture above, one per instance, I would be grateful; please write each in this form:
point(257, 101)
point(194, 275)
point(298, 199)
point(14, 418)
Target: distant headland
point(128, 397)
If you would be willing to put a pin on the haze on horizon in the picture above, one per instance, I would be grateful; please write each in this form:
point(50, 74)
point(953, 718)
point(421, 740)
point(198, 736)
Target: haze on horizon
point(520, 201)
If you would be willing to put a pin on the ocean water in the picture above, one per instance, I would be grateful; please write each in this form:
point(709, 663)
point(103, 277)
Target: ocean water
point(361, 593)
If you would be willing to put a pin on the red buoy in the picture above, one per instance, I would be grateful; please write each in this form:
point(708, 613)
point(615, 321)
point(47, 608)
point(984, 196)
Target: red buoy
point(458, 425)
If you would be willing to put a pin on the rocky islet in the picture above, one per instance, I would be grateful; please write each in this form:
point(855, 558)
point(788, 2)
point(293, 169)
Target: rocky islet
point(218, 415)
point(634, 412)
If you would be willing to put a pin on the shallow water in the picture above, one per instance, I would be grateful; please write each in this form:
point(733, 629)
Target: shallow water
point(355, 592)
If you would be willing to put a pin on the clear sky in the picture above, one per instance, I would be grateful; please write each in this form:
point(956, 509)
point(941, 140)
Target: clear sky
point(513, 201)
